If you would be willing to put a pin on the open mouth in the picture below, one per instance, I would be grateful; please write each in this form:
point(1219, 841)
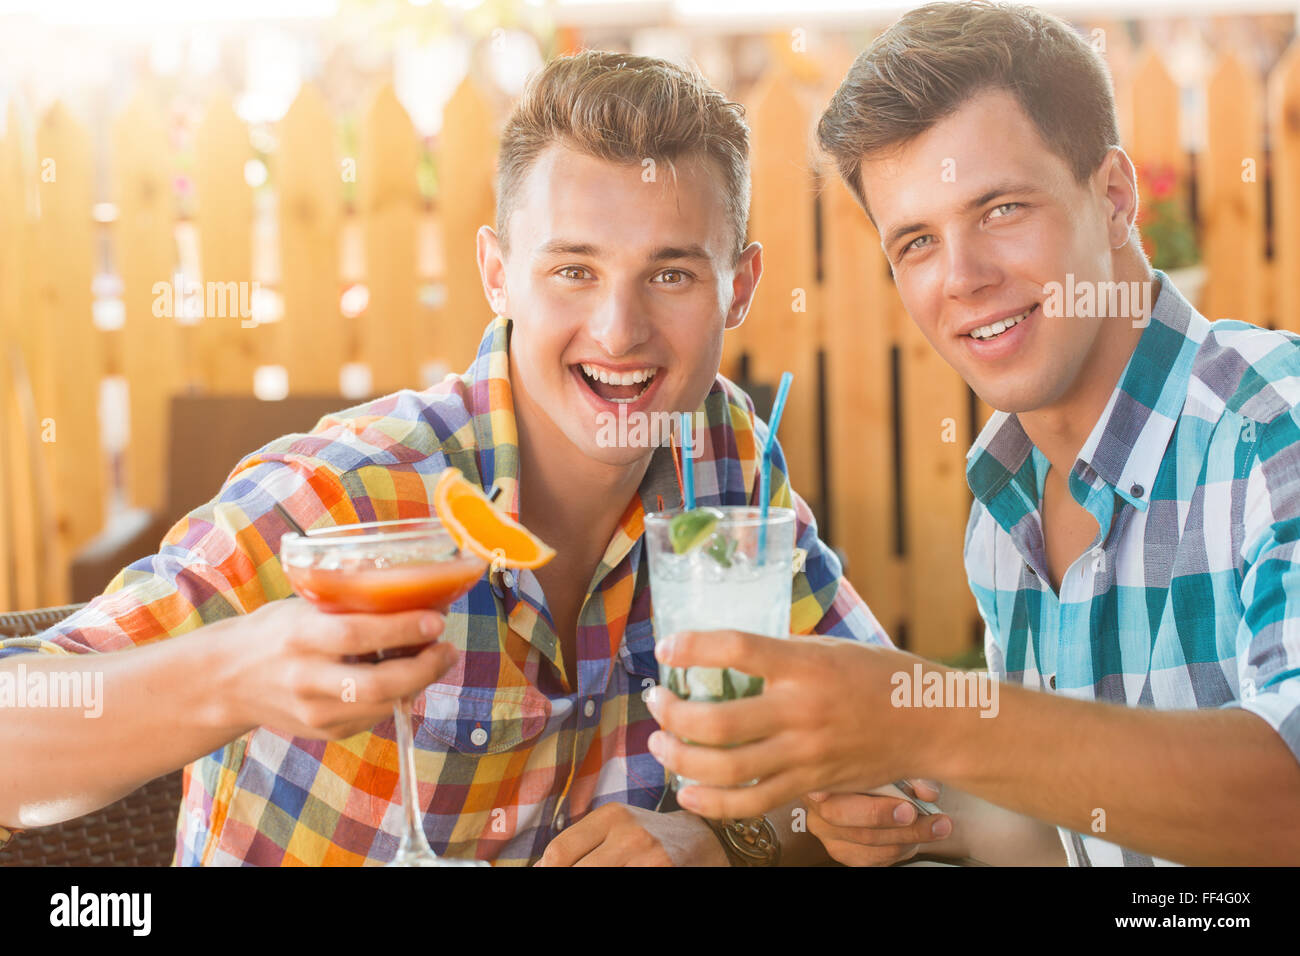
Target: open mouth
point(621, 388)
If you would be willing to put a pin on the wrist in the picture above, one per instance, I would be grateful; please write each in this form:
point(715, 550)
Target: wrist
point(208, 654)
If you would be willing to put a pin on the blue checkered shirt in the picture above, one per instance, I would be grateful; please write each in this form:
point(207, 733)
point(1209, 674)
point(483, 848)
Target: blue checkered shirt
point(1190, 595)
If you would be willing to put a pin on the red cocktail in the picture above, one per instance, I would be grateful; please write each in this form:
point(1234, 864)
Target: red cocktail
point(378, 568)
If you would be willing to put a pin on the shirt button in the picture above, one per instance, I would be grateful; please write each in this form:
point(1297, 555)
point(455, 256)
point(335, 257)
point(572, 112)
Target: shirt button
point(508, 579)
point(478, 737)
point(1052, 682)
point(1136, 491)
point(560, 823)
point(589, 707)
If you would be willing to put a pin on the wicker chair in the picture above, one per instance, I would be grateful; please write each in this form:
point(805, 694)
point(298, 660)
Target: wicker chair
point(138, 830)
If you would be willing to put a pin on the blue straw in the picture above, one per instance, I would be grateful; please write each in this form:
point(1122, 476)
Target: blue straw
point(688, 465)
point(765, 462)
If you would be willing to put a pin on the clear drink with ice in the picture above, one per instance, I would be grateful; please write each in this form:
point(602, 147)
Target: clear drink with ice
point(707, 573)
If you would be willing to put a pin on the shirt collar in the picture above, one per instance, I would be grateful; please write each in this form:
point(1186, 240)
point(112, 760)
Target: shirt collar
point(1128, 442)
point(496, 438)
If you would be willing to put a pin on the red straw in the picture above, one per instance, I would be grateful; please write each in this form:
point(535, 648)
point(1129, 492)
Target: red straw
point(677, 466)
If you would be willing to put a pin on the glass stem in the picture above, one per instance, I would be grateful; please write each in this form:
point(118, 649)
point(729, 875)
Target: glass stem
point(413, 839)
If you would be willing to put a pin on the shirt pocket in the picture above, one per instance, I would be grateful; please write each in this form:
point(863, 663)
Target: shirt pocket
point(637, 651)
point(479, 725)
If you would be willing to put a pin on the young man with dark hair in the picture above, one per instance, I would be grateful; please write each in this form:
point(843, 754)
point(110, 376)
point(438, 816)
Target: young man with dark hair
point(618, 261)
point(1133, 543)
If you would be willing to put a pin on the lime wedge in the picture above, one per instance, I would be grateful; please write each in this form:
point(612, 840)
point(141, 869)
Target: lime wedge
point(690, 529)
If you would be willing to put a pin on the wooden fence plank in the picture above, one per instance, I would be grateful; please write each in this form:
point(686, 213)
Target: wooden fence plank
point(67, 399)
point(782, 330)
point(229, 349)
point(390, 206)
point(466, 166)
point(1154, 107)
point(936, 502)
point(860, 427)
point(143, 168)
point(308, 176)
point(1284, 121)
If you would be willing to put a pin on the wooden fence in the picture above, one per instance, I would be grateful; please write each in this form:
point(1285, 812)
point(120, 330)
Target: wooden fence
point(877, 426)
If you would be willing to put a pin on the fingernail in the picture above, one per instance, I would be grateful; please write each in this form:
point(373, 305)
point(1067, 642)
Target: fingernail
point(817, 796)
point(686, 799)
point(430, 625)
point(652, 701)
point(933, 785)
point(655, 744)
point(664, 649)
point(942, 827)
point(904, 813)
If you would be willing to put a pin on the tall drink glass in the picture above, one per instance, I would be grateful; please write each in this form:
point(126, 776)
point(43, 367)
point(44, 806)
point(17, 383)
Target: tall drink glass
point(380, 567)
point(721, 582)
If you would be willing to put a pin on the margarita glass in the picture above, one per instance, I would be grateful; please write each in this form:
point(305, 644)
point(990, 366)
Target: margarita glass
point(376, 568)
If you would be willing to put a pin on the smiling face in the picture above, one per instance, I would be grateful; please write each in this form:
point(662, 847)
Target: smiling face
point(619, 291)
point(976, 216)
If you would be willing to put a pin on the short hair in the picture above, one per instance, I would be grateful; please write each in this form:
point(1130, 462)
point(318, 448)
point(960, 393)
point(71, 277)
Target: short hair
point(936, 57)
point(626, 109)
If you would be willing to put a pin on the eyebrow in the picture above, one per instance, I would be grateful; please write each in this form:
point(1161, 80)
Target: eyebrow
point(565, 247)
point(982, 199)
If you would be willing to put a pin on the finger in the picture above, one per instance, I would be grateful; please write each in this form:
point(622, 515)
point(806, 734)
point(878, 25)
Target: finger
point(716, 723)
point(341, 635)
point(723, 766)
point(385, 681)
point(866, 810)
point(926, 790)
point(736, 803)
point(925, 830)
point(576, 842)
point(750, 653)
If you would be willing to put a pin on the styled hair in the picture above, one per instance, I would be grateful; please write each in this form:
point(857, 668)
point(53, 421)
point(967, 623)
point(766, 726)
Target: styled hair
point(626, 109)
point(936, 57)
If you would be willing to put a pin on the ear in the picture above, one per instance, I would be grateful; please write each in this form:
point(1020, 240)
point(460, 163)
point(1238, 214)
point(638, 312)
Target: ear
point(492, 270)
point(1117, 182)
point(749, 269)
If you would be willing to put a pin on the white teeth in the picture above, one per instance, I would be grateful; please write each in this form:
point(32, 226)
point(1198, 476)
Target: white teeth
point(1000, 326)
point(634, 377)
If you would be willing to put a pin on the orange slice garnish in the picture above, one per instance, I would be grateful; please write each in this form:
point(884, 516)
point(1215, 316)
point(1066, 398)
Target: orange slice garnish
point(470, 517)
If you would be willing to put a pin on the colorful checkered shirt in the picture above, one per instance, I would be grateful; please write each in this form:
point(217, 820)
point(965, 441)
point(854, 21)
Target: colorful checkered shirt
point(508, 754)
point(1190, 595)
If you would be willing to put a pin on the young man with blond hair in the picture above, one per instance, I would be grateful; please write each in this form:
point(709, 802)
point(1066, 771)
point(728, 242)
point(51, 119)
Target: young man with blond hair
point(617, 262)
point(1133, 543)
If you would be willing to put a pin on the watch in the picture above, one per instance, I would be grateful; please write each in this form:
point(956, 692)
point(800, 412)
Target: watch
point(750, 842)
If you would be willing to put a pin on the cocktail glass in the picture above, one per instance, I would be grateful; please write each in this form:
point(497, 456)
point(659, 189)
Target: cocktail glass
point(380, 567)
point(721, 583)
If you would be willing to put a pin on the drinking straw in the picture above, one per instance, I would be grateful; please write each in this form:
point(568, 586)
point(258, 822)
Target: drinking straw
point(765, 462)
point(677, 467)
point(688, 467)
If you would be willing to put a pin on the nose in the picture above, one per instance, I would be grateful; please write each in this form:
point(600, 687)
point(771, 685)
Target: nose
point(619, 325)
point(971, 266)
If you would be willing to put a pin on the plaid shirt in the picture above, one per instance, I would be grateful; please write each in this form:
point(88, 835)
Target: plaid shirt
point(1190, 596)
point(507, 753)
